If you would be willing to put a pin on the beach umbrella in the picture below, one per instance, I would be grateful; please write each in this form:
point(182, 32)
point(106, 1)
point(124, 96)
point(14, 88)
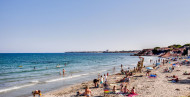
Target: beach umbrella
point(149, 68)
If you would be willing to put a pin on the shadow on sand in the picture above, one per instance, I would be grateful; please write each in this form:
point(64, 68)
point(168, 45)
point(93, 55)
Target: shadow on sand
point(185, 81)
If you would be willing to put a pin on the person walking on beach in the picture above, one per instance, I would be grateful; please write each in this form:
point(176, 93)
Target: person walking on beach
point(114, 89)
point(121, 66)
point(63, 71)
point(105, 77)
point(101, 81)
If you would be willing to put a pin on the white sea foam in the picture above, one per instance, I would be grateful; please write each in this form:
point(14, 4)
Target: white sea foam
point(15, 87)
point(34, 81)
point(69, 77)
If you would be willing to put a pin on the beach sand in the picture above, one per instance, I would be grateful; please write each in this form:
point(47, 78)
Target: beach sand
point(144, 86)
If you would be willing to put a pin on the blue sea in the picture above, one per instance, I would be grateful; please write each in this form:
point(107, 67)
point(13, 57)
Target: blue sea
point(21, 73)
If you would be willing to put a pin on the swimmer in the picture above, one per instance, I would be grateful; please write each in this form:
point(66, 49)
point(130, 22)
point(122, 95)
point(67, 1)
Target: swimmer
point(63, 71)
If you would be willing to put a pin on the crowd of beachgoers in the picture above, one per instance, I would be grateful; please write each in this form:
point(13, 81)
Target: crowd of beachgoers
point(166, 77)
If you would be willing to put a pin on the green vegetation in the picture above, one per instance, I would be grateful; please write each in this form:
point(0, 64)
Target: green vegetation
point(156, 48)
point(175, 46)
point(187, 44)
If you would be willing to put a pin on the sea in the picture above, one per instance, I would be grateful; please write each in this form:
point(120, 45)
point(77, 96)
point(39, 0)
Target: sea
point(22, 73)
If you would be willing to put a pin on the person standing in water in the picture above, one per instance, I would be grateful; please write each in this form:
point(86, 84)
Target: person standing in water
point(113, 69)
point(63, 71)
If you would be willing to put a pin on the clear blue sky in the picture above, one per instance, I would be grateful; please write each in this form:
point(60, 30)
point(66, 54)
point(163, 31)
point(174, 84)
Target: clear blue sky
point(79, 25)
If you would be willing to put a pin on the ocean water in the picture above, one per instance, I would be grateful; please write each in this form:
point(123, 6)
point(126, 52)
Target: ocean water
point(21, 73)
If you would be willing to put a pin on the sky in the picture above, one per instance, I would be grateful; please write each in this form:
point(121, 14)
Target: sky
point(48, 26)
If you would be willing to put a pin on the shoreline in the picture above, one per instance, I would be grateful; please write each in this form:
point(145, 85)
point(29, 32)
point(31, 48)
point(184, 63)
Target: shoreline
point(70, 91)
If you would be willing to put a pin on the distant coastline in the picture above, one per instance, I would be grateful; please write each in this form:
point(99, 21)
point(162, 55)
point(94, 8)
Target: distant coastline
point(132, 51)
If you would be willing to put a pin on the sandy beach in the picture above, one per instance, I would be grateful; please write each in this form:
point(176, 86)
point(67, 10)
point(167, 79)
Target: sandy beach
point(144, 86)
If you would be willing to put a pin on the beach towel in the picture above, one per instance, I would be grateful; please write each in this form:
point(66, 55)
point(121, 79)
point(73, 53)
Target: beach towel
point(173, 81)
point(152, 75)
point(131, 95)
point(106, 91)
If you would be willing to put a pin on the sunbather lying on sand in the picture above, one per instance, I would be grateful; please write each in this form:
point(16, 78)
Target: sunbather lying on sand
point(172, 76)
point(185, 73)
point(174, 80)
point(125, 79)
